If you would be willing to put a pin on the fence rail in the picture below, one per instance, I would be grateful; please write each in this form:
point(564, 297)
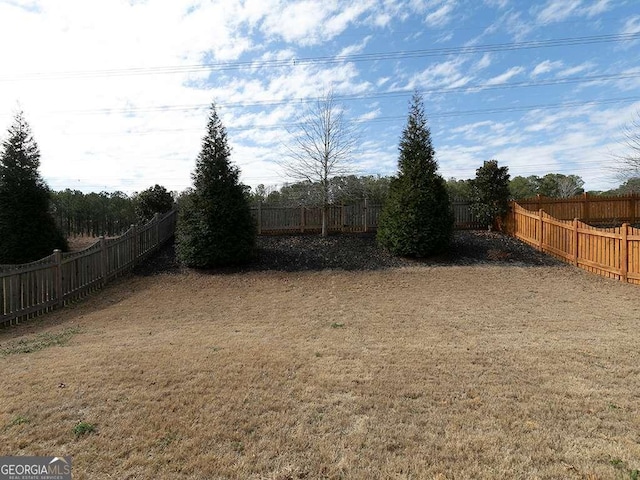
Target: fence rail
point(609, 252)
point(30, 289)
point(359, 217)
point(589, 209)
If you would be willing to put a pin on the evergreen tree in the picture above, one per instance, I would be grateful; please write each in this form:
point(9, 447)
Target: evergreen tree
point(28, 231)
point(417, 219)
point(153, 200)
point(215, 226)
point(490, 193)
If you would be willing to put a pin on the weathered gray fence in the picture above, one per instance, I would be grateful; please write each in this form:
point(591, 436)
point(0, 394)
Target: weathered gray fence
point(29, 289)
point(360, 217)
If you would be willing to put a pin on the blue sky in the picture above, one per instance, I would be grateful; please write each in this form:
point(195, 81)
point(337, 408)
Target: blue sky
point(117, 92)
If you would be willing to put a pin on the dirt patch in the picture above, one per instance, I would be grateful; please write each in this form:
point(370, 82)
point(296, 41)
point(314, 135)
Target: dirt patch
point(359, 252)
point(78, 243)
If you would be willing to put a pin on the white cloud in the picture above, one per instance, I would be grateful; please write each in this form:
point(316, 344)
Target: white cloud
point(558, 10)
point(545, 67)
point(483, 63)
point(354, 49)
point(568, 72)
point(299, 22)
point(632, 25)
point(442, 74)
point(369, 115)
point(497, 3)
point(515, 25)
point(506, 76)
point(310, 22)
point(441, 16)
point(598, 7)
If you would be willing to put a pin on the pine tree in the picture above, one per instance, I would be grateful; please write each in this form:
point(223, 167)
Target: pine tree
point(417, 219)
point(490, 193)
point(27, 229)
point(215, 225)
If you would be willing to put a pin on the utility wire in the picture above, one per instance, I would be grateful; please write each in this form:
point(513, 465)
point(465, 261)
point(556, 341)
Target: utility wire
point(327, 60)
point(367, 96)
point(446, 114)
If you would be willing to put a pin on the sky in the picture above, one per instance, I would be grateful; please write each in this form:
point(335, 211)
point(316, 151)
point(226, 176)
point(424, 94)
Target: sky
point(118, 92)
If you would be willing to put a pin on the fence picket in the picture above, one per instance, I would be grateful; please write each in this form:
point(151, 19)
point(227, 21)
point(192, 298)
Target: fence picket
point(354, 218)
point(608, 252)
point(37, 287)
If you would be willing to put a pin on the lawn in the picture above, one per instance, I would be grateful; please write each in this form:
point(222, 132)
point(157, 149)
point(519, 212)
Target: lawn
point(483, 371)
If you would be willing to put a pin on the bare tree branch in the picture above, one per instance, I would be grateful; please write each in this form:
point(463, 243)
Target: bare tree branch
point(322, 146)
point(628, 163)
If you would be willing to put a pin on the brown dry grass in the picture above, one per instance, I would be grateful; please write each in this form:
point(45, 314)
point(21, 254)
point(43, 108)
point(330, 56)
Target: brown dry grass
point(435, 372)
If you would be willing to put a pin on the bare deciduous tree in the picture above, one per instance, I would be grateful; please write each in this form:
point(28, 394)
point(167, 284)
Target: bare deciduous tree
point(628, 163)
point(322, 144)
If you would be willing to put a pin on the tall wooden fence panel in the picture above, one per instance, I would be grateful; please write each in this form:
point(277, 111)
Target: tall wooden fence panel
point(590, 209)
point(353, 218)
point(609, 252)
point(30, 289)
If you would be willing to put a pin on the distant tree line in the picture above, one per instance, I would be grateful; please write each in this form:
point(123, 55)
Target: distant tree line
point(104, 213)
point(554, 185)
point(341, 189)
point(631, 185)
point(375, 188)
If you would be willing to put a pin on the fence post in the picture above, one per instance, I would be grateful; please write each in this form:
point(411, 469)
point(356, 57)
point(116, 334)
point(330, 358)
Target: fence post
point(343, 217)
point(57, 258)
point(156, 228)
point(134, 235)
point(632, 209)
point(541, 220)
point(585, 207)
point(301, 218)
point(365, 217)
point(624, 253)
point(259, 217)
point(575, 242)
point(103, 260)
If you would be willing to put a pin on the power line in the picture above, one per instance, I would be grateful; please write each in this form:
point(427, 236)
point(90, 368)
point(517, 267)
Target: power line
point(367, 96)
point(446, 114)
point(327, 60)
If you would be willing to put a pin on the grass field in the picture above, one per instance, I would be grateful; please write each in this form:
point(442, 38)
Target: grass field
point(414, 373)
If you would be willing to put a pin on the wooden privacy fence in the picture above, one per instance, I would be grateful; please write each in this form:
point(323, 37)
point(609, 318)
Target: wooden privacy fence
point(588, 208)
point(354, 218)
point(30, 289)
point(609, 252)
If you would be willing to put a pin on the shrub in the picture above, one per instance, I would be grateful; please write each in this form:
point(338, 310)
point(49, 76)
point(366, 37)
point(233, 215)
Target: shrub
point(215, 225)
point(417, 219)
point(490, 193)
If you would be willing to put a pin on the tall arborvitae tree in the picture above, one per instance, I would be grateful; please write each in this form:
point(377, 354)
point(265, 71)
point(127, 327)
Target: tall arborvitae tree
point(417, 219)
point(490, 193)
point(215, 225)
point(28, 231)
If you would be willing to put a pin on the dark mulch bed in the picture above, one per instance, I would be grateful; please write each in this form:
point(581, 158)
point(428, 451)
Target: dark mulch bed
point(359, 252)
